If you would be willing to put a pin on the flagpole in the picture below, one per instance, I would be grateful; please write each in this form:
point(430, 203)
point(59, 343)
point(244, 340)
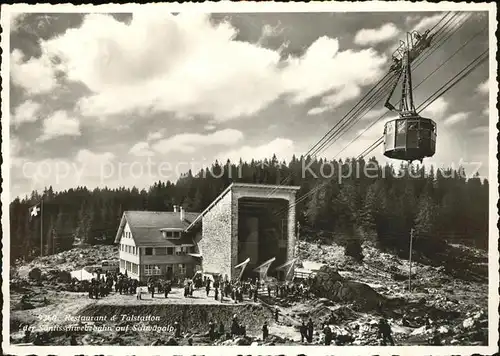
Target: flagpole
point(41, 228)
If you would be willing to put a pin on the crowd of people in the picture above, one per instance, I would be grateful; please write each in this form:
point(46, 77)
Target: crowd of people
point(235, 290)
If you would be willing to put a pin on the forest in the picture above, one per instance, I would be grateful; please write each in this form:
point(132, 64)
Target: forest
point(436, 206)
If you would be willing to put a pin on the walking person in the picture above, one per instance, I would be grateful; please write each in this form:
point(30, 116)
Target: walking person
point(303, 331)
point(177, 327)
point(384, 332)
point(310, 330)
point(265, 331)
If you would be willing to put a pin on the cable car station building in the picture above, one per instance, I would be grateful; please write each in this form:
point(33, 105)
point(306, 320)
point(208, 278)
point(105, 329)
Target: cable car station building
point(251, 222)
point(247, 221)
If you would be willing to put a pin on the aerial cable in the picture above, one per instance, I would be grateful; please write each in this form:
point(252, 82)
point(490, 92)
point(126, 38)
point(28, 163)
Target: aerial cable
point(450, 84)
point(434, 47)
point(422, 81)
point(464, 73)
point(377, 88)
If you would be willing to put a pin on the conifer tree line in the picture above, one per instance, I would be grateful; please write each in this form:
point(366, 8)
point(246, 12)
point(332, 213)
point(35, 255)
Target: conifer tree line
point(382, 207)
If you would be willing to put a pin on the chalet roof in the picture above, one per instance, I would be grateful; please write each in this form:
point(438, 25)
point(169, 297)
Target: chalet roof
point(146, 227)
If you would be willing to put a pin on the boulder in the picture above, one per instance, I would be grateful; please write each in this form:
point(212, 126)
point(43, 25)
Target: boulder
point(64, 277)
point(35, 273)
point(469, 323)
point(330, 284)
point(172, 342)
point(117, 341)
point(243, 341)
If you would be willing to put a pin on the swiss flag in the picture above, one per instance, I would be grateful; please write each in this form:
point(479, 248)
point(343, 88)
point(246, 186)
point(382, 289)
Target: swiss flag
point(35, 211)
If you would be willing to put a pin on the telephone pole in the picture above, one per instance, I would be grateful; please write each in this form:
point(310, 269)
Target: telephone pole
point(409, 258)
point(41, 228)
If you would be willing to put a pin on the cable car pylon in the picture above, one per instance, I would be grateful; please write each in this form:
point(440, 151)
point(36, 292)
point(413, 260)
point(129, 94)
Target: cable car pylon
point(410, 137)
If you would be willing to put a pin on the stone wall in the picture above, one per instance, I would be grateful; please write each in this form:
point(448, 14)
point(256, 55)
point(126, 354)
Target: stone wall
point(215, 246)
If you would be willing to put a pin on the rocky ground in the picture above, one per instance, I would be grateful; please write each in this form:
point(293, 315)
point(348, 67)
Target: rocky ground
point(350, 298)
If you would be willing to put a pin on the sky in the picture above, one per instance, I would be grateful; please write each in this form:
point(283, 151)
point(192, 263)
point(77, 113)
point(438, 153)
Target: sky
point(126, 100)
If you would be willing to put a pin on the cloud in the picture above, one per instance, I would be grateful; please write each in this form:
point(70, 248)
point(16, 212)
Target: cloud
point(375, 113)
point(90, 158)
point(35, 76)
point(141, 149)
point(427, 22)
point(283, 149)
point(413, 18)
point(486, 110)
point(164, 63)
point(188, 142)
point(209, 127)
point(16, 19)
point(269, 31)
point(15, 146)
point(456, 118)
point(88, 168)
point(376, 35)
point(480, 130)
point(59, 124)
point(436, 109)
point(26, 112)
point(153, 136)
point(484, 87)
point(340, 96)
point(323, 68)
point(317, 110)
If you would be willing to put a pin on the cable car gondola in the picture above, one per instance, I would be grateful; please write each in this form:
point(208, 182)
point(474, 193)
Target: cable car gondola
point(409, 137)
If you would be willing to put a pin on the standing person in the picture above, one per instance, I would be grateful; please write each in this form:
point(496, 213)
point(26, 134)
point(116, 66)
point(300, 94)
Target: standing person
point(221, 328)
point(310, 330)
point(384, 332)
point(404, 320)
point(177, 327)
point(139, 293)
point(211, 330)
point(90, 289)
point(235, 327)
point(265, 331)
point(207, 285)
point(168, 288)
point(216, 293)
point(328, 334)
point(152, 286)
point(303, 331)
point(186, 290)
point(191, 289)
point(435, 339)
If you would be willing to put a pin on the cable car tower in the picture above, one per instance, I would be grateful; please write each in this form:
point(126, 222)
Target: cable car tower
point(410, 137)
